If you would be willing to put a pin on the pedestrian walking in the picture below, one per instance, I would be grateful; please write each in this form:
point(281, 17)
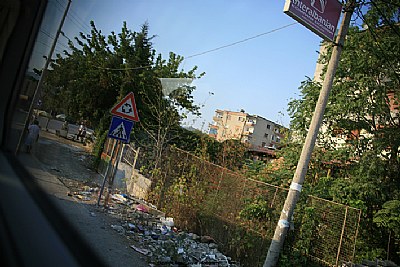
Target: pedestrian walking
point(33, 135)
point(81, 132)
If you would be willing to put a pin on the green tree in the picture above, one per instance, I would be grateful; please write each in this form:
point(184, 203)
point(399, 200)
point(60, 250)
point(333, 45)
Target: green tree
point(360, 130)
point(100, 70)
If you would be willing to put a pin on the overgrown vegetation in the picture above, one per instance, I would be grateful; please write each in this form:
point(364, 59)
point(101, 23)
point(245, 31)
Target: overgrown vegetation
point(356, 162)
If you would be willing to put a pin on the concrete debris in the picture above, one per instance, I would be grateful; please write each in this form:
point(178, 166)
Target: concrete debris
point(168, 221)
point(166, 246)
point(141, 250)
point(154, 235)
point(82, 197)
point(119, 198)
point(142, 208)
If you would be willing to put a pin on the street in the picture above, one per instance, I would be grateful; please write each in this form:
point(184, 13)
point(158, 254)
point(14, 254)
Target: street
point(60, 167)
point(129, 232)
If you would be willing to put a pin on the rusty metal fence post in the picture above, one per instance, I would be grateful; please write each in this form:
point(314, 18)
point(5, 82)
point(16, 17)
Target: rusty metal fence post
point(341, 235)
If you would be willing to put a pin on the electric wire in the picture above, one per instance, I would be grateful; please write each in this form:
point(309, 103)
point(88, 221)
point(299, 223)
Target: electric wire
point(211, 50)
point(79, 20)
point(77, 24)
point(47, 45)
point(241, 41)
point(53, 38)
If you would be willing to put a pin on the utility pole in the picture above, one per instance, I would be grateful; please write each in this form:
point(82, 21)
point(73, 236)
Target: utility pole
point(301, 170)
point(44, 73)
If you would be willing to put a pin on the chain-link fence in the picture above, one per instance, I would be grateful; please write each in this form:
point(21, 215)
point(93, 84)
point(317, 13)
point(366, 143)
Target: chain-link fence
point(334, 233)
point(241, 213)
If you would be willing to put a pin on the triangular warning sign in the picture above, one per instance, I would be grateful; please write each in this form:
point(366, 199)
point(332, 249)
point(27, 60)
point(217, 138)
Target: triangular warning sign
point(119, 131)
point(126, 108)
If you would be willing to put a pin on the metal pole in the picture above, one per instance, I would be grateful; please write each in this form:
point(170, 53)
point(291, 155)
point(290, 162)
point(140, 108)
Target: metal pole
point(341, 236)
point(44, 73)
point(107, 171)
point(136, 158)
point(355, 238)
point(301, 170)
point(115, 169)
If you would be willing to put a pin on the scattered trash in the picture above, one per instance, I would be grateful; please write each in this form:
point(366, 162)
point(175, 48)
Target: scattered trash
point(119, 198)
point(141, 250)
point(166, 246)
point(168, 221)
point(142, 208)
point(154, 235)
point(83, 198)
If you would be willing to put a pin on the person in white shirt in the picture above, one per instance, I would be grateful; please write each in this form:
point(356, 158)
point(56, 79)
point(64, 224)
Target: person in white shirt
point(33, 135)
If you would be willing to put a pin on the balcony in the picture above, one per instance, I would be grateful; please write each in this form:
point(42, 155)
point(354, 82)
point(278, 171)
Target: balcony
point(217, 118)
point(250, 122)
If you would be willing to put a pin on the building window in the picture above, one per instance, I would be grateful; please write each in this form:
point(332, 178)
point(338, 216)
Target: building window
point(266, 135)
point(273, 138)
point(278, 140)
point(263, 144)
point(253, 121)
point(277, 130)
point(241, 119)
point(268, 126)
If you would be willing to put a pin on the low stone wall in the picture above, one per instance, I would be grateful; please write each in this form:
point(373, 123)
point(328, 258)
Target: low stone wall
point(138, 185)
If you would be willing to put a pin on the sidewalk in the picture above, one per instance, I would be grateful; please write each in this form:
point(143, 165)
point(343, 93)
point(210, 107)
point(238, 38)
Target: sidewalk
point(94, 226)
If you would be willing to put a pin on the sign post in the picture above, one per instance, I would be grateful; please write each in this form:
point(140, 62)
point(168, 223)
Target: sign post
point(120, 129)
point(302, 165)
point(320, 16)
point(124, 116)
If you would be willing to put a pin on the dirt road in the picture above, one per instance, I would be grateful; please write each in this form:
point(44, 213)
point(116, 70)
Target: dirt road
point(61, 167)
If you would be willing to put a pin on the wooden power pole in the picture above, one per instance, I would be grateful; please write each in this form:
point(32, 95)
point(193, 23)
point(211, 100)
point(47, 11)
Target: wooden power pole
point(302, 165)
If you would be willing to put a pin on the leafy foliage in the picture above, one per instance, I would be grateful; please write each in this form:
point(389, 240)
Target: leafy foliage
point(356, 161)
point(99, 70)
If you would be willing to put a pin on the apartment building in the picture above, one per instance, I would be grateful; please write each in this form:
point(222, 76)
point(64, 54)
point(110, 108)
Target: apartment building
point(260, 133)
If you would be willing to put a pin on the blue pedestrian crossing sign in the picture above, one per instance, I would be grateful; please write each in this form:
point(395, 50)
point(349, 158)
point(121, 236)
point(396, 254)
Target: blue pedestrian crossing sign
point(120, 129)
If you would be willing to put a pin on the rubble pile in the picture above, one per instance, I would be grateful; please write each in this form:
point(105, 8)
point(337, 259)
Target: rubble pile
point(154, 235)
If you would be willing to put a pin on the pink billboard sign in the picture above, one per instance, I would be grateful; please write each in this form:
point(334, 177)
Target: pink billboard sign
point(320, 16)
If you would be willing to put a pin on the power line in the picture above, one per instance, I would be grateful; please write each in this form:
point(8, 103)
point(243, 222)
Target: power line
point(78, 25)
point(52, 37)
point(79, 20)
point(241, 41)
point(47, 45)
point(211, 50)
point(122, 69)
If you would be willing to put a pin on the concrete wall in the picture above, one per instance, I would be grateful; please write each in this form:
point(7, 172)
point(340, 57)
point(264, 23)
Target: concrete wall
point(138, 185)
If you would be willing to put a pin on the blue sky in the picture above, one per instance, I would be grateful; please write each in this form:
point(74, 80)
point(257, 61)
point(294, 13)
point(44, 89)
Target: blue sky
point(259, 76)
